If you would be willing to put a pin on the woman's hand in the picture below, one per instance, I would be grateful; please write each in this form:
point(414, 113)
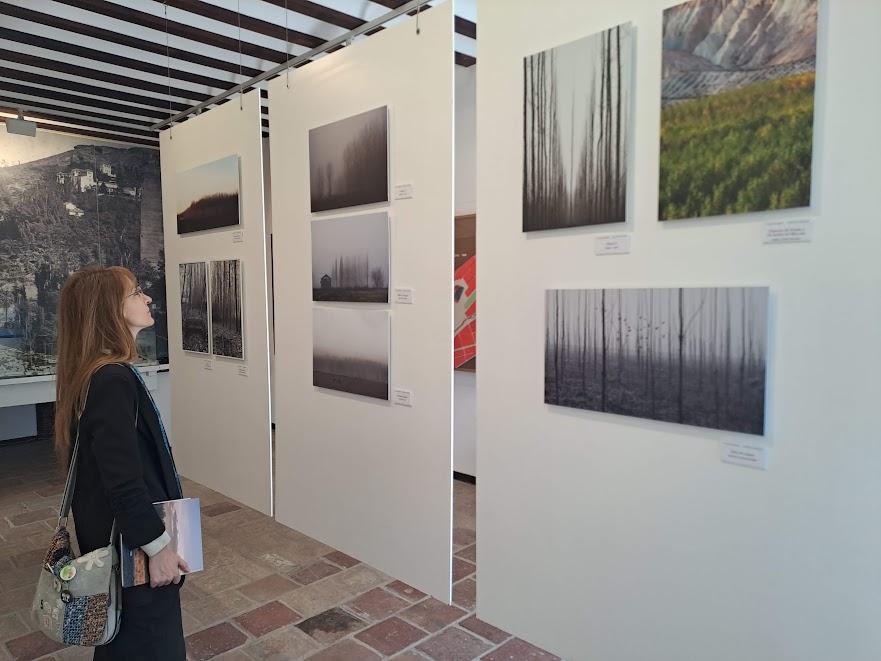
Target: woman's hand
point(165, 568)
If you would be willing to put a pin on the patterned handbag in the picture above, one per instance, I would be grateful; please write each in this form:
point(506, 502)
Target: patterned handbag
point(78, 600)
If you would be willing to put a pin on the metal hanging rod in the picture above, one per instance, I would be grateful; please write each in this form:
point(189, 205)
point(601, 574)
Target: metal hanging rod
point(342, 39)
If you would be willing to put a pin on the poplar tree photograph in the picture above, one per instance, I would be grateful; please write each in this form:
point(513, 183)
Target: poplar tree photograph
point(350, 259)
point(576, 113)
point(227, 313)
point(692, 356)
point(194, 307)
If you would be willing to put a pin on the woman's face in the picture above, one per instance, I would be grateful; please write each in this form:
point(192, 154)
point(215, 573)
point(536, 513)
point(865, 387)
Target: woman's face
point(136, 311)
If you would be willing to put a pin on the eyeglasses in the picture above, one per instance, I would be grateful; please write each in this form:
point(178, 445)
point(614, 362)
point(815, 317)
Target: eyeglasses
point(137, 292)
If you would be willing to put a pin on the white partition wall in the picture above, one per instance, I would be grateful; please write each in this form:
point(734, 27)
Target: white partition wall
point(621, 539)
point(363, 475)
point(221, 418)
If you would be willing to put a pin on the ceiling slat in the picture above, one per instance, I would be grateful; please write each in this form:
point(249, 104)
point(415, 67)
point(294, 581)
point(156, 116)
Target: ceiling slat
point(466, 27)
point(89, 123)
point(18, 101)
point(465, 60)
point(320, 12)
point(94, 134)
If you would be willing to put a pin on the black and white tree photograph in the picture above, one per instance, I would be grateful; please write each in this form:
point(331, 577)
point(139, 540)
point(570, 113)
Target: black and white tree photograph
point(67, 202)
point(350, 351)
point(194, 307)
point(208, 196)
point(693, 356)
point(350, 259)
point(576, 114)
point(227, 313)
point(348, 161)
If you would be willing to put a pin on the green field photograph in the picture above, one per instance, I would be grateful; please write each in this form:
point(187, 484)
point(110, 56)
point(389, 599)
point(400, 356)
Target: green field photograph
point(737, 107)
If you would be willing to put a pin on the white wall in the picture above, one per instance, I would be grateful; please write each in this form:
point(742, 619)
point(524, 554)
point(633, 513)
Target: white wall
point(221, 420)
point(649, 547)
point(372, 479)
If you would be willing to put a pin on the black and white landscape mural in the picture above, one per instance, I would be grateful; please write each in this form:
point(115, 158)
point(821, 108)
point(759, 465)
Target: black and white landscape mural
point(227, 312)
point(207, 196)
point(694, 356)
point(348, 161)
point(67, 202)
point(576, 101)
point(194, 307)
point(350, 259)
point(350, 351)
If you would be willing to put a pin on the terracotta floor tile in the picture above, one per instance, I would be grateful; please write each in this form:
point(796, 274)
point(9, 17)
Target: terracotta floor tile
point(315, 571)
point(461, 569)
point(409, 655)
point(432, 615)
point(360, 579)
point(342, 559)
point(346, 650)
point(219, 508)
point(217, 580)
point(316, 598)
point(12, 626)
point(331, 625)
point(454, 644)
point(75, 654)
point(520, 650)
point(391, 636)
point(377, 604)
point(283, 645)
point(220, 606)
point(463, 536)
point(488, 631)
point(407, 592)
point(214, 641)
point(268, 588)
point(32, 558)
point(32, 515)
point(11, 578)
point(469, 553)
point(465, 594)
point(265, 619)
point(32, 646)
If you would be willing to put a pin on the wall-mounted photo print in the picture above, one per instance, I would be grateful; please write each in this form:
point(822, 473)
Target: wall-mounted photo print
point(350, 351)
point(227, 311)
point(207, 197)
point(195, 332)
point(576, 114)
point(694, 356)
point(350, 259)
point(348, 161)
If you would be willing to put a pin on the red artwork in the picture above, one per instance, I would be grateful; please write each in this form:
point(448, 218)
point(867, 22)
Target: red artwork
point(465, 313)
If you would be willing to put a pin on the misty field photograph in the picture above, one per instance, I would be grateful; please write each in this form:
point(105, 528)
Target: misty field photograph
point(737, 107)
point(194, 307)
point(576, 101)
point(350, 259)
point(348, 161)
point(227, 313)
point(350, 351)
point(692, 356)
point(207, 197)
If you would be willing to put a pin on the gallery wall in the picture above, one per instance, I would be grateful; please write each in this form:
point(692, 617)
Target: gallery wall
point(363, 475)
point(659, 551)
point(221, 416)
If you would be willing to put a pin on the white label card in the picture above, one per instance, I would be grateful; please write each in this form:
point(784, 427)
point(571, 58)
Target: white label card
point(238, 236)
point(752, 456)
point(788, 231)
point(243, 370)
point(404, 192)
point(209, 364)
point(404, 295)
point(402, 397)
point(612, 244)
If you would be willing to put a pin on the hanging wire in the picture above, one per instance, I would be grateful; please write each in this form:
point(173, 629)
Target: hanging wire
point(418, 7)
point(168, 66)
point(97, 205)
point(241, 78)
point(287, 46)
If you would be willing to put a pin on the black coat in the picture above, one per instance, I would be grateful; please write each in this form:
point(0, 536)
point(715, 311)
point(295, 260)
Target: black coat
point(123, 465)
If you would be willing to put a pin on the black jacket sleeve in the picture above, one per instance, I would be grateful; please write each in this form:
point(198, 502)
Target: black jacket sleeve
point(109, 424)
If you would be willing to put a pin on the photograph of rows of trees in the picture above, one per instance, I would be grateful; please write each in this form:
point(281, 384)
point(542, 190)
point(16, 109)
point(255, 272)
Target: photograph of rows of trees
point(737, 107)
point(227, 335)
point(692, 356)
point(194, 307)
point(207, 197)
point(350, 351)
point(66, 203)
point(350, 259)
point(576, 101)
point(348, 161)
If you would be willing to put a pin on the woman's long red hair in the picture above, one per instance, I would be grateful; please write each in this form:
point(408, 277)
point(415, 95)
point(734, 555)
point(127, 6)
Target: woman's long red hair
point(91, 332)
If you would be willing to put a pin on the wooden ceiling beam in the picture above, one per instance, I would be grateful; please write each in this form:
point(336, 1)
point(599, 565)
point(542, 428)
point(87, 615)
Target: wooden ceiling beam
point(95, 134)
point(76, 121)
point(320, 13)
point(16, 101)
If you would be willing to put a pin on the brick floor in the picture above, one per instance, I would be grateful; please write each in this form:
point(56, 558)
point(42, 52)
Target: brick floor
point(267, 592)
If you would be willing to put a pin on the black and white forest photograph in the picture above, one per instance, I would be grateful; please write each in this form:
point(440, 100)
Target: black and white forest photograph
point(693, 356)
point(350, 351)
point(67, 202)
point(227, 313)
point(348, 161)
point(208, 196)
point(194, 307)
point(576, 117)
point(350, 259)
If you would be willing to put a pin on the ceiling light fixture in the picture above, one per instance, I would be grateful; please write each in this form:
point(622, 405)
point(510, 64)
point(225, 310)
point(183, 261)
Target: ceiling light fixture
point(21, 126)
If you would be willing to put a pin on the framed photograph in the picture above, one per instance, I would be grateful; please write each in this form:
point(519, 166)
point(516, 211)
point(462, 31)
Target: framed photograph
point(227, 309)
point(195, 325)
point(207, 197)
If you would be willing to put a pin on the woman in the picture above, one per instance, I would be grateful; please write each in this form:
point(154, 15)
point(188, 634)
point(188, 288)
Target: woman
point(125, 462)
